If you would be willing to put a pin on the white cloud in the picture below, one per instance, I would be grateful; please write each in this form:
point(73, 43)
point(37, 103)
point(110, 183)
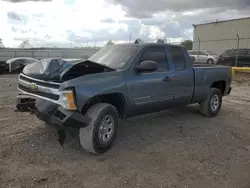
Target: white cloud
point(193, 13)
point(65, 23)
point(45, 23)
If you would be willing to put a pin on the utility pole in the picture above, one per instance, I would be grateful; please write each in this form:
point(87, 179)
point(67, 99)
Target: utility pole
point(130, 37)
point(238, 44)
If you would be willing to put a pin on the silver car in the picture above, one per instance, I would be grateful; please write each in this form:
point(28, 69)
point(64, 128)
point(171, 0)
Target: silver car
point(203, 56)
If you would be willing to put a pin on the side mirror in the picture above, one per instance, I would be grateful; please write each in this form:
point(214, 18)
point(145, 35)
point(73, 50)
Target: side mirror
point(147, 66)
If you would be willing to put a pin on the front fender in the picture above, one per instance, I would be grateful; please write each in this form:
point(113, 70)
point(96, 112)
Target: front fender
point(87, 87)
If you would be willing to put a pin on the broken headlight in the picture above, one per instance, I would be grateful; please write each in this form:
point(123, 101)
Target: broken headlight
point(67, 99)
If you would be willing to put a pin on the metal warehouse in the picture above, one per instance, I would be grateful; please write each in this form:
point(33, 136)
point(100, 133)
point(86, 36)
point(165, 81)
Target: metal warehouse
point(222, 35)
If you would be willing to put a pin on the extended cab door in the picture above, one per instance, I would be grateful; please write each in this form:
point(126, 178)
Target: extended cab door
point(151, 91)
point(182, 79)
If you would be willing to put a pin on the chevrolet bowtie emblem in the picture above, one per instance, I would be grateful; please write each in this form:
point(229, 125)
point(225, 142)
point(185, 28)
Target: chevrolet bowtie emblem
point(33, 86)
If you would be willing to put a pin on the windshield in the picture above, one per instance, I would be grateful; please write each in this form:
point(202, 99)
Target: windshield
point(114, 56)
point(211, 53)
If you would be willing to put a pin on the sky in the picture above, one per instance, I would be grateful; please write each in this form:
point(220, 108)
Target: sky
point(77, 23)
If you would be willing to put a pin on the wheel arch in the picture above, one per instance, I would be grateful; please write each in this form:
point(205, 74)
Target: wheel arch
point(115, 99)
point(221, 85)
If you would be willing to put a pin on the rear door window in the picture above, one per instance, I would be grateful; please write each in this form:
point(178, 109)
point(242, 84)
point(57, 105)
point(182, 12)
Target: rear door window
point(196, 52)
point(178, 58)
point(202, 53)
point(242, 52)
point(232, 53)
point(191, 52)
point(227, 53)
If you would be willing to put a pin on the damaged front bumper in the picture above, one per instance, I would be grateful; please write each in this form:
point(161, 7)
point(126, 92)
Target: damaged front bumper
point(52, 113)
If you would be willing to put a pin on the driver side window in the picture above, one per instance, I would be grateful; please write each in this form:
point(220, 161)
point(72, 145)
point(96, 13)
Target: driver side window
point(158, 55)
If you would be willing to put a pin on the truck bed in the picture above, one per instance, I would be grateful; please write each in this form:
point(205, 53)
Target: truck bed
point(205, 75)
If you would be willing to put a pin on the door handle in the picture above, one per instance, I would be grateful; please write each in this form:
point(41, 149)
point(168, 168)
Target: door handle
point(167, 78)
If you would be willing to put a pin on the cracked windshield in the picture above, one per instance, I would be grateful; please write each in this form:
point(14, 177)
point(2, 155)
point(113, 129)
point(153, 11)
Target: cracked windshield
point(124, 94)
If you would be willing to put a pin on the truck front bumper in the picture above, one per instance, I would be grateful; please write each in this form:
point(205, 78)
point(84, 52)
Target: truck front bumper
point(52, 114)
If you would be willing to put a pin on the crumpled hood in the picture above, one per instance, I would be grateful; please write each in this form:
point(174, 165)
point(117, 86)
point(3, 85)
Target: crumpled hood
point(59, 70)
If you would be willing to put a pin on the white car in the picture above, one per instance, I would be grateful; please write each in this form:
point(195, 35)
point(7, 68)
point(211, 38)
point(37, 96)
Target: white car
point(203, 56)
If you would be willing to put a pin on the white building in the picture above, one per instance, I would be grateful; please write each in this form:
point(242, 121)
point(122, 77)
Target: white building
point(222, 35)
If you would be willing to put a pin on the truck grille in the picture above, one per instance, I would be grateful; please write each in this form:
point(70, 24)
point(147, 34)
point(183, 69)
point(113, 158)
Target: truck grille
point(41, 89)
point(43, 94)
point(51, 85)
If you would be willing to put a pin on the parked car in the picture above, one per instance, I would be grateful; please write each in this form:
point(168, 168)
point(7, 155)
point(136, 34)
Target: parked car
point(119, 81)
point(202, 56)
point(3, 67)
point(192, 59)
point(17, 64)
point(228, 57)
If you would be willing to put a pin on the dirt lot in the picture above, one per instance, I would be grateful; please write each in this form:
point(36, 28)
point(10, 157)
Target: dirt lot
point(174, 148)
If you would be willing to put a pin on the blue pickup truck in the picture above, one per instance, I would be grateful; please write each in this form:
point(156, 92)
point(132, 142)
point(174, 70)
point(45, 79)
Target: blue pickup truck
point(118, 82)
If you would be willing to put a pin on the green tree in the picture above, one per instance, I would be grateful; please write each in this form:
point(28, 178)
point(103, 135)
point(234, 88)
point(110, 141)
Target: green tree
point(1, 43)
point(110, 42)
point(188, 44)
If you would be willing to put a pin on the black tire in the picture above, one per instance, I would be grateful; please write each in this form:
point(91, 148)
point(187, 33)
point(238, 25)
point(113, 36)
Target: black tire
point(207, 108)
point(89, 136)
point(210, 61)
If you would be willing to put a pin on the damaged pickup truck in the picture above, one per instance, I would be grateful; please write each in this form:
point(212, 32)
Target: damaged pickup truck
point(117, 82)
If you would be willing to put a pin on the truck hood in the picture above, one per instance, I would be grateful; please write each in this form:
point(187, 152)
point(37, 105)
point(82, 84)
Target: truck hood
point(60, 70)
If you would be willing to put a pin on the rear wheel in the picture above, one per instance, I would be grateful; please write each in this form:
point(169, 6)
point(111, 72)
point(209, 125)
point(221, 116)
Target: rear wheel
point(210, 61)
point(211, 106)
point(99, 135)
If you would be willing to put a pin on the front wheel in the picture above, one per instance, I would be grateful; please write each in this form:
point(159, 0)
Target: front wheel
point(211, 106)
point(99, 135)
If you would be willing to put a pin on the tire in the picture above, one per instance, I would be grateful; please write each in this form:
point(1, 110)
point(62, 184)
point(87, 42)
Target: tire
point(92, 137)
point(210, 61)
point(208, 107)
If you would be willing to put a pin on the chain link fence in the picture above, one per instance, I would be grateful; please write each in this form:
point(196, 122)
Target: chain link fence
point(81, 53)
point(221, 45)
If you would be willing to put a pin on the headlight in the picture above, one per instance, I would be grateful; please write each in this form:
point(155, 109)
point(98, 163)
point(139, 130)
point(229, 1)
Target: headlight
point(67, 100)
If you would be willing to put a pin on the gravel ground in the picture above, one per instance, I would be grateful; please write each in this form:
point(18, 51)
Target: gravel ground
point(174, 148)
